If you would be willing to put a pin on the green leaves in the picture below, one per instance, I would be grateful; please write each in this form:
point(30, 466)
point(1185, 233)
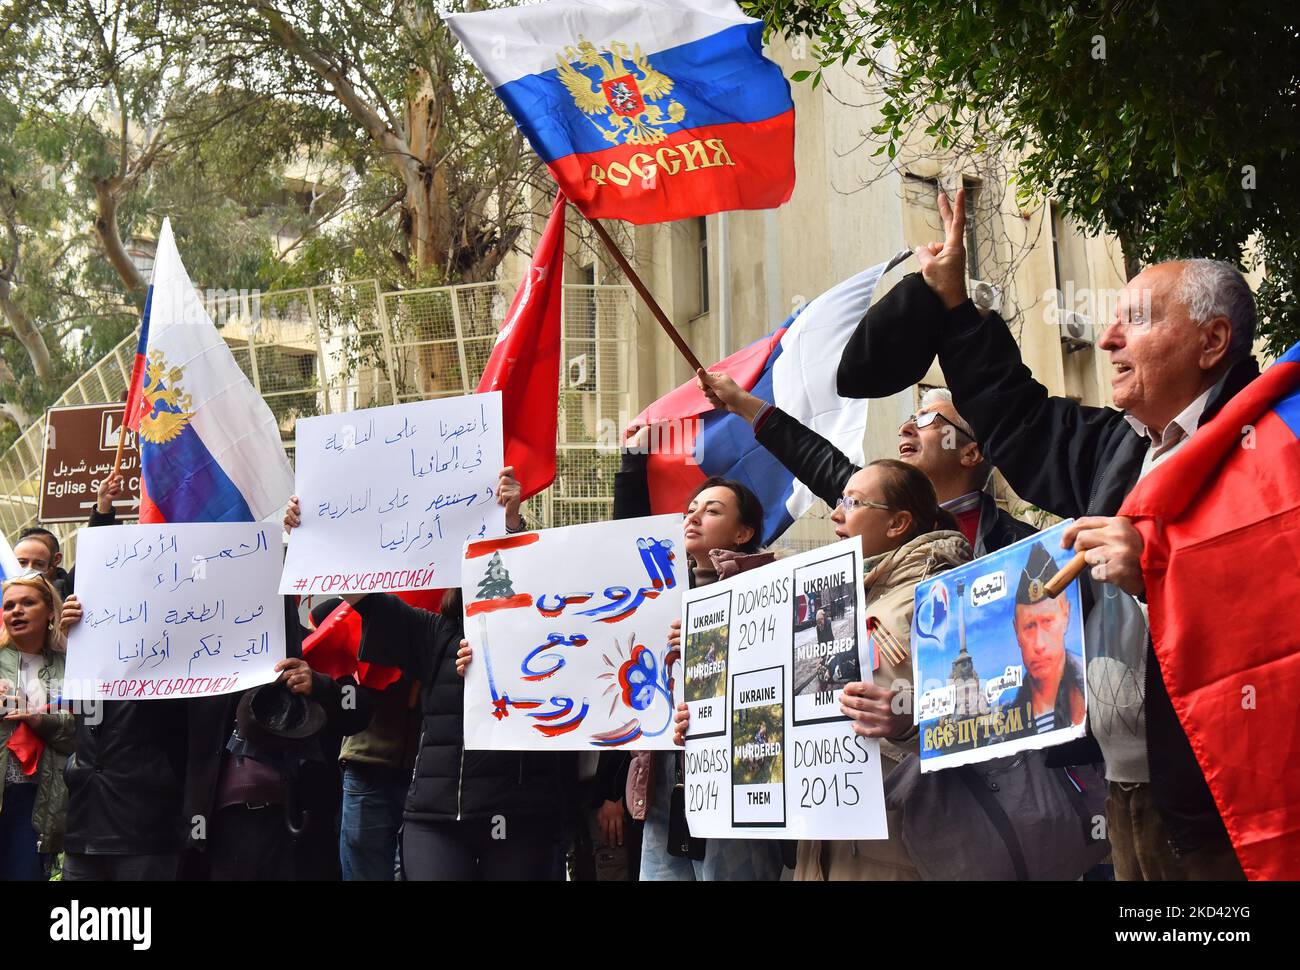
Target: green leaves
point(1136, 118)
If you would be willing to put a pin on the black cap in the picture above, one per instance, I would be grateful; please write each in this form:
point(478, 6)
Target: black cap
point(275, 716)
point(894, 345)
point(1039, 568)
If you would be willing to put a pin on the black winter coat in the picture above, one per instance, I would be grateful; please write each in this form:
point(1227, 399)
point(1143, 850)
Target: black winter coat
point(825, 470)
point(450, 783)
point(1072, 461)
point(125, 778)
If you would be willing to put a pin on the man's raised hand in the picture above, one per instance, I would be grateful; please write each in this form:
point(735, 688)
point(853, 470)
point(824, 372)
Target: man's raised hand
point(943, 265)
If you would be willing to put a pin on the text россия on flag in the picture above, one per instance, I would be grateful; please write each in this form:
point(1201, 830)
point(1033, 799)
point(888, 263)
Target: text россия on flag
point(646, 111)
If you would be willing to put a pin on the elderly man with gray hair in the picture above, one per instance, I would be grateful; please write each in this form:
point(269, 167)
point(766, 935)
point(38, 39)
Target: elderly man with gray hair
point(1179, 348)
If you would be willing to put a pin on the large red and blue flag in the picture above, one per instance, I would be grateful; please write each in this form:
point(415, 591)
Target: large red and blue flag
point(644, 110)
point(210, 448)
point(690, 441)
point(1221, 524)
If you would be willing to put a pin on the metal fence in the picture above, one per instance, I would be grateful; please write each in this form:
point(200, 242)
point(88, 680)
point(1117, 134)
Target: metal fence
point(328, 349)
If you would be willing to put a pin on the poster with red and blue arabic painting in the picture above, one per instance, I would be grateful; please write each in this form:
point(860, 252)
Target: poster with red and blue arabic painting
point(569, 629)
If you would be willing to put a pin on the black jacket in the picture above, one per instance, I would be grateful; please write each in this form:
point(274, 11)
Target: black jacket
point(451, 783)
point(1072, 461)
point(631, 501)
point(62, 581)
point(125, 779)
point(825, 470)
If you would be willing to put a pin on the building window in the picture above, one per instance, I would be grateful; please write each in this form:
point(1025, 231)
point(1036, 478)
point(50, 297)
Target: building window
point(580, 331)
point(142, 256)
point(1056, 256)
point(972, 223)
point(702, 242)
point(1070, 262)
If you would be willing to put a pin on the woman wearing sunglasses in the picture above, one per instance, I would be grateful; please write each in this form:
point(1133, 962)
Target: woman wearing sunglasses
point(36, 735)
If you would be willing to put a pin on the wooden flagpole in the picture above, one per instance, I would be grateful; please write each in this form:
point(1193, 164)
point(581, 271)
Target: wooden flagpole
point(682, 347)
point(1065, 576)
point(121, 439)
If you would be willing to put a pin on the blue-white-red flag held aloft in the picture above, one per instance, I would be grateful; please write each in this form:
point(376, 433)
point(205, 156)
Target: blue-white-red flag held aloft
point(210, 448)
point(644, 110)
point(788, 369)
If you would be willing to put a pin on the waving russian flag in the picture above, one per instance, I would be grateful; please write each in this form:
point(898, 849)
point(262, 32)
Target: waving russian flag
point(210, 448)
point(644, 110)
point(791, 368)
point(1221, 525)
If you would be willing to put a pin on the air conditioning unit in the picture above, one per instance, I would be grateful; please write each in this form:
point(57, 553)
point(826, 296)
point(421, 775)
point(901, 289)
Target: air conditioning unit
point(987, 296)
point(577, 371)
point(1076, 331)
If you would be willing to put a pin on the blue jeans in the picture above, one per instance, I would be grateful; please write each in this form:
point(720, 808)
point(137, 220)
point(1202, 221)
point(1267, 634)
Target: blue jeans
point(19, 860)
point(372, 814)
point(725, 860)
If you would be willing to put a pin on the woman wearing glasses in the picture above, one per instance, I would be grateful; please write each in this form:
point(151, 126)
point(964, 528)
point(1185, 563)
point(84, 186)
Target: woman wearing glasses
point(906, 537)
point(36, 736)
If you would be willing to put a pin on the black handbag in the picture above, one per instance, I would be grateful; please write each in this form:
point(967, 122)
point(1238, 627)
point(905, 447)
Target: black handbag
point(1008, 818)
point(681, 843)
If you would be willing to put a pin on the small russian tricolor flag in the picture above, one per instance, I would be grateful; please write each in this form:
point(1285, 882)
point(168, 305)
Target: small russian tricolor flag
point(786, 368)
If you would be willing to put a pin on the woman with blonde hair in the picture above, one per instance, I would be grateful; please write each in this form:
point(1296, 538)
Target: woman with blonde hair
point(36, 733)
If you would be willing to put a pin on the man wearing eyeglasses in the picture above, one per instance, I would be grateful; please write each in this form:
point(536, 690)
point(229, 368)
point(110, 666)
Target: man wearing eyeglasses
point(936, 440)
point(1180, 348)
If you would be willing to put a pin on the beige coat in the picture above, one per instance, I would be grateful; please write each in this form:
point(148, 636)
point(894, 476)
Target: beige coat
point(890, 583)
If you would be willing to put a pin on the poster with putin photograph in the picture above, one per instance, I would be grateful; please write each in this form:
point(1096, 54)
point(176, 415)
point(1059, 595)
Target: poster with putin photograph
point(998, 663)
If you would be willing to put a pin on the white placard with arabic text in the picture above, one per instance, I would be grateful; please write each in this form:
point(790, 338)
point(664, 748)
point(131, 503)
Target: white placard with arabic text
point(186, 610)
point(570, 635)
point(391, 495)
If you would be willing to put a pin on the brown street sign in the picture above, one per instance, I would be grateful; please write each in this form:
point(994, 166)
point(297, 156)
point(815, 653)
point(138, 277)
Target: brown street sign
point(80, 444)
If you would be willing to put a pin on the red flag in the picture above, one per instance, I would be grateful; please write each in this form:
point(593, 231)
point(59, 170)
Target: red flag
point(525, 363)
point(673, 472)
point(27, 746)
point(136, 406)
point(1221, 525)
point(332, 648)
